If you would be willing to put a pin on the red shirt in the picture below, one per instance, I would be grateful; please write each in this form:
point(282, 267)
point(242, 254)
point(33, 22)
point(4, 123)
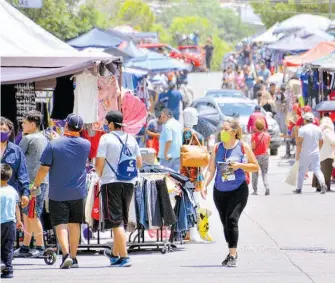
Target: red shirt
point(252, 121)
point(300, 122)
point(261, 141)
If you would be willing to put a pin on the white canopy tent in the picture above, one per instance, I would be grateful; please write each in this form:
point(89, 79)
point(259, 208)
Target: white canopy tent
point(23, 43)
point(268, 36)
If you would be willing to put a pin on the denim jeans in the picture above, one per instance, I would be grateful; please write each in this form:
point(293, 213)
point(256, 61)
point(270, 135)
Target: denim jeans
point(8, 232)
point(173, 164)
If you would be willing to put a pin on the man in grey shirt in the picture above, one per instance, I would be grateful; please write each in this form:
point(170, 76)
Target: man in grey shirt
point(309, 142)
point(33, 144)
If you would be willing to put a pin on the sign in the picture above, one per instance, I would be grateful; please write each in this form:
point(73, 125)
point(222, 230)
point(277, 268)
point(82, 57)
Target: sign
point(35, 4)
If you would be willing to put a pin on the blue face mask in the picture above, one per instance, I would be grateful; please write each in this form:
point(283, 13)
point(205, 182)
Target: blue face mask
point(106, 128)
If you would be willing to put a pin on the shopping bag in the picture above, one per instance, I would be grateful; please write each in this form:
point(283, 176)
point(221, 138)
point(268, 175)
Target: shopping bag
point(292, 175)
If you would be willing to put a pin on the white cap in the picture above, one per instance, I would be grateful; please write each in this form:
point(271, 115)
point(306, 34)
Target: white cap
point(309, 117)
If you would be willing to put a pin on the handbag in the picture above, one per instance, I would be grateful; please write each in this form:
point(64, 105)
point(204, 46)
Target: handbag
point(194, 155)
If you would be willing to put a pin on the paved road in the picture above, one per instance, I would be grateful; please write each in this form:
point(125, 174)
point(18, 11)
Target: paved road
point(284, 238)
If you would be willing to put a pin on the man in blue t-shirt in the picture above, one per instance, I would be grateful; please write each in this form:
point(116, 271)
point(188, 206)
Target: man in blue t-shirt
point(172, 99)
point(65, 160)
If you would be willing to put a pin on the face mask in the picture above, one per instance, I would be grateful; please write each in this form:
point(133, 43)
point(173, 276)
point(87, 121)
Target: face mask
point(106, 128)
point(4, 136)
point(225, 136)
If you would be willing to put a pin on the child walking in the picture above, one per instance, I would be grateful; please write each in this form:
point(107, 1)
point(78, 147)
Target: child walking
point(10, 214)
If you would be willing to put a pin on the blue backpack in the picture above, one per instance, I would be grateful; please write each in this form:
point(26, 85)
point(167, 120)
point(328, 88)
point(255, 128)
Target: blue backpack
point(126, 169)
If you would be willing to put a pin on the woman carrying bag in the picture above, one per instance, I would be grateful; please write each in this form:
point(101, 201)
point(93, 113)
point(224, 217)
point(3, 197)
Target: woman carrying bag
point(231, 159)
point(260, 141)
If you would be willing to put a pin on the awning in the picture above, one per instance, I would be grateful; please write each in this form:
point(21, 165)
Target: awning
point(315, 53)
point(12, 75)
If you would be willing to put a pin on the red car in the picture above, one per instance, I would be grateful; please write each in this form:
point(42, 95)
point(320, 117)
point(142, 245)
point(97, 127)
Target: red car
point(194, 55)
point(162, 48)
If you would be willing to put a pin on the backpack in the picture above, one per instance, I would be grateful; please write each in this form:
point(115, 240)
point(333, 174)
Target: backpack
point(126, 169)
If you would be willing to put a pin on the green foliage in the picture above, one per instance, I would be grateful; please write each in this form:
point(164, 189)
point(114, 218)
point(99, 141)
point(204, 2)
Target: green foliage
point(187, 25)
point(137, 14)
point(164, 34)
point(220, 49)
point(65, 19)
point(271, 13)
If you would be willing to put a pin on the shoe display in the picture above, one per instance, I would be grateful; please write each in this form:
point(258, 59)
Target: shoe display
point(66, 262)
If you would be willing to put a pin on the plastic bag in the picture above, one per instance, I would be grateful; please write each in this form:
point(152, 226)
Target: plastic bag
point(292, 175)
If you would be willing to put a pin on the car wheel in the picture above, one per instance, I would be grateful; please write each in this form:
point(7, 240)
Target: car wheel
point(273, 151)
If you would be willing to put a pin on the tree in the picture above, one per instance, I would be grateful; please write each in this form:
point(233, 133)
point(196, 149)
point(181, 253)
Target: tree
point(272, 13)
point(137, 14)
point(188, 25)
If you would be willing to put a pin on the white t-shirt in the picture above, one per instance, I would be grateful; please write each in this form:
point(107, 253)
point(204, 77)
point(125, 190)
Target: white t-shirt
point(311, 135)
point(86, 97)
point(110, 149)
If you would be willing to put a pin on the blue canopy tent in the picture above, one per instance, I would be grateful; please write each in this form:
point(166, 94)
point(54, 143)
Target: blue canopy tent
point(98, 38)
point(157, 63)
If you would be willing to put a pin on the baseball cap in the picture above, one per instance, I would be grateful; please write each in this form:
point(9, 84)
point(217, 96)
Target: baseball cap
point(309, 116)
point(75, 122)
point(257, 108)
point(116, 117)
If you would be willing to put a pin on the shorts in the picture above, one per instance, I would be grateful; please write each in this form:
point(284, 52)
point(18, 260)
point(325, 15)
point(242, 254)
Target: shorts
point(64, 212)
point(116, 198)
point(39, 202)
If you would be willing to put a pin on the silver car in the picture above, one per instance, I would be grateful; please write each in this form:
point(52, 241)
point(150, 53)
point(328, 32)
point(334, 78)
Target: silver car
point(240, 109)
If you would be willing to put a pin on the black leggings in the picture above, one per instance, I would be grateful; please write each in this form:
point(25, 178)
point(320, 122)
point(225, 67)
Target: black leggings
point(230, 206)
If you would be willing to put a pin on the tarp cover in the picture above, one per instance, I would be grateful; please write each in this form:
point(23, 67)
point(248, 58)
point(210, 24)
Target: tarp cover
point(98, 38)
point(268, 36)
point(301, 21)
point(327, 62)
point(294, 42)
point(321, 50)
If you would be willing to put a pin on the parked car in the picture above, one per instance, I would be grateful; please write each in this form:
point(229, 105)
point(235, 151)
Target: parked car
point(194, 55)
point(167, 49)
point(241, 109)
point(217, 93)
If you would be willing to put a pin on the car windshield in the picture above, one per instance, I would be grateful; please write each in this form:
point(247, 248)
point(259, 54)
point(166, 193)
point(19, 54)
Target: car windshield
point(232, 93)
point(236, 109)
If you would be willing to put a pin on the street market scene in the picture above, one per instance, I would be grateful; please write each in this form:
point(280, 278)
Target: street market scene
point(167, 140)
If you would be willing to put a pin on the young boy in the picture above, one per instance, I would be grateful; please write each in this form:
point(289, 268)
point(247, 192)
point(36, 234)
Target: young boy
point(32, 145)
point(10, 213)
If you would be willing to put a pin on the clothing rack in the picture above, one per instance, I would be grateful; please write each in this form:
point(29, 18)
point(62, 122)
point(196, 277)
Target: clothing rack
point(136, 240)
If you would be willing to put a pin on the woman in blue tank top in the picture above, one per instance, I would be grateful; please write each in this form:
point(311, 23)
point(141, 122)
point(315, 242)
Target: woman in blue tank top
point(230, 160)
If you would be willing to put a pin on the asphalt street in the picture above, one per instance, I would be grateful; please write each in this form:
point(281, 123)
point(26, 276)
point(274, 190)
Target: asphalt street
point(284, 238)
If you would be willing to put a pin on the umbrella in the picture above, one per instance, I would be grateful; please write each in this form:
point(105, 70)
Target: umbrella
point(134, 113)
point(208, 121)
point(325, 106)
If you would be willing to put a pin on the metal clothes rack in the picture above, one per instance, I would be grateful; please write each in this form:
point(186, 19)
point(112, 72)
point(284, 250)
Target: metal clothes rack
point(136, 241)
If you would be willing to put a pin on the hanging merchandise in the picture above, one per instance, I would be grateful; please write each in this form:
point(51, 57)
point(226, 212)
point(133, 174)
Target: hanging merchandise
point(94, 140)
point(25, 99)
point(63, 98)
point(109, 92)
point(134, 113)
point(142, 90)
point(86, 97)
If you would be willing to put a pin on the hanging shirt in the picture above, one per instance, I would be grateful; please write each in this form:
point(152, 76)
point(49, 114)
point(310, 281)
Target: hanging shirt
point(86, 97)
point(25, 99)
point(109, 92)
